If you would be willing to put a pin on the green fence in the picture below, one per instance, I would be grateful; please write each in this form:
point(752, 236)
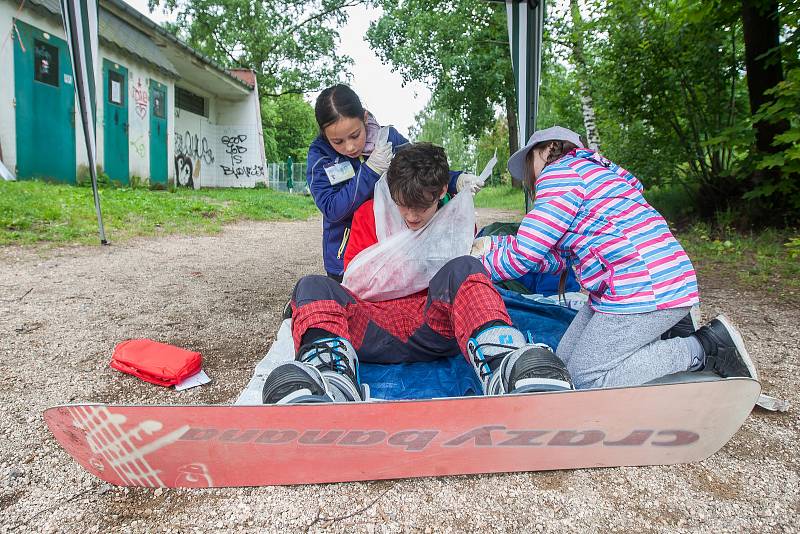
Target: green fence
point(277, 177)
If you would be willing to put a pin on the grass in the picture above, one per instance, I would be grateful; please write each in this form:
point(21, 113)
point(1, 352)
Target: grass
point(768, 260)
point(40, 212)
point(501, 197)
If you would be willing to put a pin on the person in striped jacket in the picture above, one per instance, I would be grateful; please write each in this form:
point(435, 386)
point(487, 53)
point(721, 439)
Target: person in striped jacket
point(589, 214)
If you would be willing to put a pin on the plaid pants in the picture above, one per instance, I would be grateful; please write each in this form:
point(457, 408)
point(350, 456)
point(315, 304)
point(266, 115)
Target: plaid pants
point(421, 327)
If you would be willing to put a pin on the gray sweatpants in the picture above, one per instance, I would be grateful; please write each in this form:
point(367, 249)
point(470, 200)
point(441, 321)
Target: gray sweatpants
point(607, 350)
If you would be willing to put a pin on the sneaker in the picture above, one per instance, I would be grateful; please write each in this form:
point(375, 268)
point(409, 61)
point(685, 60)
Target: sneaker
point(724, 349)
point(686, 326)
point(505, 363)
point(326, 371)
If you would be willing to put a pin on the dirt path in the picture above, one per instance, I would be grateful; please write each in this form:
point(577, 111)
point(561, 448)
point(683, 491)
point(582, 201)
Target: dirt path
point(63, 311)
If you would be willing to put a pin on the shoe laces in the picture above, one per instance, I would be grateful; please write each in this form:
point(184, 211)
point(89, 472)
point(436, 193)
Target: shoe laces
point(486, 361)
point(337, 359)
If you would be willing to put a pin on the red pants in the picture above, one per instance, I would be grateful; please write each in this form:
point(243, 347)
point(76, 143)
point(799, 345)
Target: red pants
point(420, 327)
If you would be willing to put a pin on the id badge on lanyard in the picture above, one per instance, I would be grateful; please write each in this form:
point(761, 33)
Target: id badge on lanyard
point(340, 172)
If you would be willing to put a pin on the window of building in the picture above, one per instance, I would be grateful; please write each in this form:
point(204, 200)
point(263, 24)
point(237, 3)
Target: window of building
point(116, 83)
point(191, 102)
point(159, 108)
point(45, 67)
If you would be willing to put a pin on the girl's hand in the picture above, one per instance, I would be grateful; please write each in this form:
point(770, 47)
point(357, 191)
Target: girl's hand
point(468, 182)
point(481, 247)
point(380, 158)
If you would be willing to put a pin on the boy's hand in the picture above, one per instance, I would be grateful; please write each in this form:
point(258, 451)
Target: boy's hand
point(470, 182)
point(481, 247)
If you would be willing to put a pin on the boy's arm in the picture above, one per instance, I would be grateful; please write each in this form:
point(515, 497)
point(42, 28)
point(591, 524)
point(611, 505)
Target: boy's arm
point(362, 232)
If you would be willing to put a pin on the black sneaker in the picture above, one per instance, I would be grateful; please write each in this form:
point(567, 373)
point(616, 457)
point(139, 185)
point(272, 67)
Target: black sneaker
point(505, 363)
point(292, 383)
point(685, 327)
point(326, 371)
point(534, 368)
point(724, 349)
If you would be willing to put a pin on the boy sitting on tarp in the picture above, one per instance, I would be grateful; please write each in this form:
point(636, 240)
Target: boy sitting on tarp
point(460, 312)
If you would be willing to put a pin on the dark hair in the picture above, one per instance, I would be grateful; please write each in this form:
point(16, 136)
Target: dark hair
point(557, 151)
point(336, 102)
point(417, 175)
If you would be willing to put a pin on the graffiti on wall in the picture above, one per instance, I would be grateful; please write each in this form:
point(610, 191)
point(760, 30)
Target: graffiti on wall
point(138, 145)
point(191, 151)
point(236, 149)
point(212, 155)
point(140, 99)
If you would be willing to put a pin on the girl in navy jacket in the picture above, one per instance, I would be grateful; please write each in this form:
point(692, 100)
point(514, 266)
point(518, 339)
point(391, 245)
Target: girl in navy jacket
point(344, 163)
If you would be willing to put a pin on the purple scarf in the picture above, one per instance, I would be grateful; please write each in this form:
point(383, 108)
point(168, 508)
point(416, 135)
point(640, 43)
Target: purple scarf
point(372, 134)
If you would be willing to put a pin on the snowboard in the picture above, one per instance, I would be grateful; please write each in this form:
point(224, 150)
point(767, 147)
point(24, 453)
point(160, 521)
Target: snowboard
point(216, 446)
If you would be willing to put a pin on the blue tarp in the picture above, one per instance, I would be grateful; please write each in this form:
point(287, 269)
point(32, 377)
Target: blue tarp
point(454, 377)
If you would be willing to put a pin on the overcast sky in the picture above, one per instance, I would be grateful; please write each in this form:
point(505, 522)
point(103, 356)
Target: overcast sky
point(381, 91)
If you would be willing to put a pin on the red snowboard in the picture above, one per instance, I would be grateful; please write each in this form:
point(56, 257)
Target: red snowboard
point(199, 446)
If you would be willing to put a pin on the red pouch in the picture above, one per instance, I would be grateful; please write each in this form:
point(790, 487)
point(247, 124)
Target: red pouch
point(158, 363)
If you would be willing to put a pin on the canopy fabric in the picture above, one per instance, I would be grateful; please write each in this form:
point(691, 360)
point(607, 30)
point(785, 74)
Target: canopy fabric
point(80, 25)
point(525, 28)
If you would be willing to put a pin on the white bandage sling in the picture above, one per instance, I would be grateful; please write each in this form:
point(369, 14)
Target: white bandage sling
point(403, 261)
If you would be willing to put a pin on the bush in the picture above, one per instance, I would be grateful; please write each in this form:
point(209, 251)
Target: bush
point(84, 179)
point(782, 189)
point(674, 202)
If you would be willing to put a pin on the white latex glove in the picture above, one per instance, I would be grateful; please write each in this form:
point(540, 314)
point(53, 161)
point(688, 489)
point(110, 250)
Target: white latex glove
point(470, 182)
point(380, 158)
point(481, 247)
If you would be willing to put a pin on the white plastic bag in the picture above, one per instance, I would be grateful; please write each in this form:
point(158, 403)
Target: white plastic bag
point(403, 261)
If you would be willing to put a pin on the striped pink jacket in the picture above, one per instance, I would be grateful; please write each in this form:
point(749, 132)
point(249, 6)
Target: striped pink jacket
point(590, 214)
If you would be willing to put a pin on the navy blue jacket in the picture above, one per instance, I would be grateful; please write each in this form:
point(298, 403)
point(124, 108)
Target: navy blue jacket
point(338, 202)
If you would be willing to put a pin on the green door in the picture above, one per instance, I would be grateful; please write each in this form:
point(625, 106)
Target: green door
point(115, 121)
point(45, 106)
point(158, 132)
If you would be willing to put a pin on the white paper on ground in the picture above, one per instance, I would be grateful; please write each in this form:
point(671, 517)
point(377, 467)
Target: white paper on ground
point(197, 379)
point(772, 404)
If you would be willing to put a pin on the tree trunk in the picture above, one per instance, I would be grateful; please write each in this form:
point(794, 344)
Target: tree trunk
point(579, 60)
point(763, 62)
point(587, 108)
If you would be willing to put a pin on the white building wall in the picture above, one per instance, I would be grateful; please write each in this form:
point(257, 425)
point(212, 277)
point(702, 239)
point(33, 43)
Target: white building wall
point(225, 150)
point(193, 151)
point(139, 76)
point(138, 99)
point(8, 121)
point(244, 118)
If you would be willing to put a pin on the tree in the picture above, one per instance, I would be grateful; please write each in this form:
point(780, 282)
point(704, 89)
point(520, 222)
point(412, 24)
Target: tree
point(436, 126)
point(774, 183)
point(568, 35)
point(761, 25)
point(494, 141)
point(459, 49)
point(289, 127)
point(290, 44)
point(673, 70)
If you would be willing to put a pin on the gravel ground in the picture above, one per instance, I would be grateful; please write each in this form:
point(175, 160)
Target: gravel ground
point(63, 310)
